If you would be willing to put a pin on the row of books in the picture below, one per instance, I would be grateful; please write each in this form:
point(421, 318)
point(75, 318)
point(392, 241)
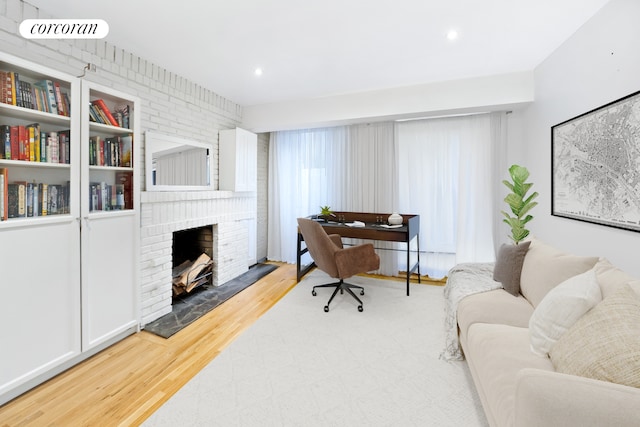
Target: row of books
point(109, 197)
point(43, 95)
point(100, 113)
point(30, 143)
point(113, 151)
point(20, 199)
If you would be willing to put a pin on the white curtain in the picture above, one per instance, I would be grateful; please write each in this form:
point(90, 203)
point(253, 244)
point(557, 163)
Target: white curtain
point(442, 169)
point(445, 175)
point(347, 168)
point(304, 169)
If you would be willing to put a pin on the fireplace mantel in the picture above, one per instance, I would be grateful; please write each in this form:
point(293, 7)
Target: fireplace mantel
point(163, 212)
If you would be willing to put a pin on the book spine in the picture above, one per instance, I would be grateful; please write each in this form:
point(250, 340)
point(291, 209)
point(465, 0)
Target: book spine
point(12, 200)
point(36, 200)
point(103, 107)
point(22, 199)
point(36, 141)
point(23, 139)
point(54, 147)
point(5, 87)
point(15, 95)
point(59, 100)
point(126, 180)
point(52, 200)
point(15, 143)
point(48, 95)
point(43, 147)
point(32, 143)
point(4, 199)
point(44, 197)
point(5, 141)
point(29, 200)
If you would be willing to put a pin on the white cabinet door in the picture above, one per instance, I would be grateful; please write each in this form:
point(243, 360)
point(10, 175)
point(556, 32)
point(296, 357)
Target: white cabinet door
point(109, 270)
point(238, 160)
point(40, 304)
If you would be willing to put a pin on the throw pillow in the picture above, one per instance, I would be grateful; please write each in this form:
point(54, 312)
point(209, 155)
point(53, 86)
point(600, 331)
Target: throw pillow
point(604, 344)
point(509, 266)
point(561, 308)
point(610, 277)
point(545, 267)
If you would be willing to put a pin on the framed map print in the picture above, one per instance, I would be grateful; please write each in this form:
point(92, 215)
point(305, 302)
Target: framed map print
point(596, 165)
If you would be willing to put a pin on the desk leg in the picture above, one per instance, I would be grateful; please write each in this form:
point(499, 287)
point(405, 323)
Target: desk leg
point(418, 246)
point(408, 264)
point(299, 258)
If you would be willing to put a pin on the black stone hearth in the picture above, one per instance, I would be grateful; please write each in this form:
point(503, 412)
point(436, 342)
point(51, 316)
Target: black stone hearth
point(188, 308)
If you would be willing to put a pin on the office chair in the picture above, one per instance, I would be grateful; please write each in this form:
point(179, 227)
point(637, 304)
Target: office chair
point(335, 260)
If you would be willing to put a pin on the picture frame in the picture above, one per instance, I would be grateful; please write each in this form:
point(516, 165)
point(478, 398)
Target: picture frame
point(595, 165)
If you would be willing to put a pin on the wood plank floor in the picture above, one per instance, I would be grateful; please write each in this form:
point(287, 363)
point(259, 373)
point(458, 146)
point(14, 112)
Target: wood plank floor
point(127, 382)
point(124, 384)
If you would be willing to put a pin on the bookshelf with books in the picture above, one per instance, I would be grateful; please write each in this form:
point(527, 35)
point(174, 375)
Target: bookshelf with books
point(37, 148)
point(110, 214)
point(39, 223)
point(69, 223)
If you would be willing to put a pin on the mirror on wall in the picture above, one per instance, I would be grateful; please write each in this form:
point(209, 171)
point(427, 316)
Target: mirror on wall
point(177, 164)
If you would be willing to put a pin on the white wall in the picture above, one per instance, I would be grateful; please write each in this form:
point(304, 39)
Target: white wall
point(490, 93)
point(599, 64)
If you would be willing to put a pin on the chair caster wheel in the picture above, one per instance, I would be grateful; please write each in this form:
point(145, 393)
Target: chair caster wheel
point(326, 308)
point(362, 292)
point(313, 292)
point(360, 308)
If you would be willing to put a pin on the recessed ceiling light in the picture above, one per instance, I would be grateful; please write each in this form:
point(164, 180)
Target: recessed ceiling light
point(452, 35)
point(258, 71)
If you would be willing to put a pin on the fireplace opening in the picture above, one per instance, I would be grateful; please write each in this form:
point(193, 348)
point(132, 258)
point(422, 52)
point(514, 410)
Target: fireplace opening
point(192, 265)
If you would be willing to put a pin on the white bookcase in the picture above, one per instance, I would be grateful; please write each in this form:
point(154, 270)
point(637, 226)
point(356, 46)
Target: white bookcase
point(69, 278)
point(110, 217)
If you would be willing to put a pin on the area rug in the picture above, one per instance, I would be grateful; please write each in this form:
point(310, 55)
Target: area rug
point(188, 308)
point(300, 366)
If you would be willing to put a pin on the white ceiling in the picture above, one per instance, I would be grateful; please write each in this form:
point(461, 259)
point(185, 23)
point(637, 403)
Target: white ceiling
point(314, 49)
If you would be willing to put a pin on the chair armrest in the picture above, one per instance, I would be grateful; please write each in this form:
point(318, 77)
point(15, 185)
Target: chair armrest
point(356, 259)
point(545, 398)
point(336, 239)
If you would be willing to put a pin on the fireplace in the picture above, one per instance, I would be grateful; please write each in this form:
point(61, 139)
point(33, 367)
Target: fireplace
point(227, 216)
point(192, 264)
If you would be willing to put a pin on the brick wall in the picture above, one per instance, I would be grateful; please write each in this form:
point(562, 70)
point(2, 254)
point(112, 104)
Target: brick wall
point(170, 104)
point(162, 213)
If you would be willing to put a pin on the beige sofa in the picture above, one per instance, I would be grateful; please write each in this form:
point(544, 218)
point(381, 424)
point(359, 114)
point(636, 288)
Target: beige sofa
point(518, 387)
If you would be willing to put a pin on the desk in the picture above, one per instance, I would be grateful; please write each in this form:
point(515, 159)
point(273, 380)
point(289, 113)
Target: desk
point(410, 229)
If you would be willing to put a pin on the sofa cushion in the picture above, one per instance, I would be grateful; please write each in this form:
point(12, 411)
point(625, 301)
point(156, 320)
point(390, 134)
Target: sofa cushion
point(496, 353)
point(605, 343)
point(561, 308)
point(610, 277)
point(545, 267)
point(496, 306)
point(509, 266)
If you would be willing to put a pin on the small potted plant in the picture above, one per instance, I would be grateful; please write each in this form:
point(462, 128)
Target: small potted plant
point(326, 213)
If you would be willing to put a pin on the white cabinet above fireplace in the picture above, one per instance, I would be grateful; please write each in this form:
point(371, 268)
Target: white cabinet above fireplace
point(238, 150)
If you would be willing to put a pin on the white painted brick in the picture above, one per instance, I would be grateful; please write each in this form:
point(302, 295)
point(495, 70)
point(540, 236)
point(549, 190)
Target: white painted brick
point(170, 104)
point(14, 10)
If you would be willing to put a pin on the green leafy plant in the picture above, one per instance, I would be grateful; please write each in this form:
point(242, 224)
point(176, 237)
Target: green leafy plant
point(519, 203)
point(326, 213)
point(325, 210)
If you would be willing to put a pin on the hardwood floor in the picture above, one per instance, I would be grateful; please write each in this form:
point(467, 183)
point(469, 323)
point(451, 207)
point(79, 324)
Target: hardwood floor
point(124, 384)
point(127, 382)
